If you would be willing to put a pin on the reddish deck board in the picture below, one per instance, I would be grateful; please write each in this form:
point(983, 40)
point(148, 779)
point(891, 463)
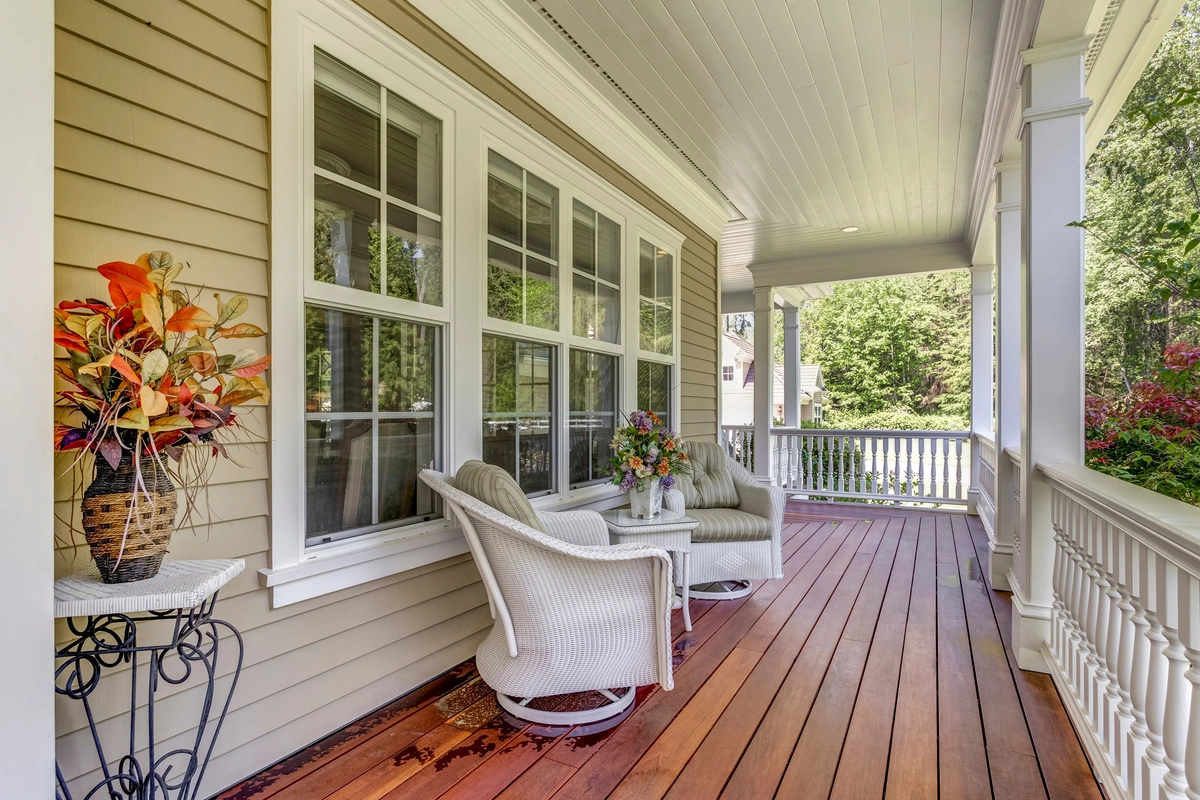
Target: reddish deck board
point(877, 667)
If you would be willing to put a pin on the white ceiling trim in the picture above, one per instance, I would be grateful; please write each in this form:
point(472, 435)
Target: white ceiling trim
point(499, 36)
point(1018, 19)
point(859, 264)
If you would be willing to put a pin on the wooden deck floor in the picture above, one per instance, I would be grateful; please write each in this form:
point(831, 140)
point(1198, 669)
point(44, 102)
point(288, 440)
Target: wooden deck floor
point(877, 667)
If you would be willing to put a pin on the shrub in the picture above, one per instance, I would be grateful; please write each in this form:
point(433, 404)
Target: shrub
point(1151, 437)
point(898, 419)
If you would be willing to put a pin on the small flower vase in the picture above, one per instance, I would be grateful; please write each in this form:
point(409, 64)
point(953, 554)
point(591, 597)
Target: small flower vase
point(646, 503)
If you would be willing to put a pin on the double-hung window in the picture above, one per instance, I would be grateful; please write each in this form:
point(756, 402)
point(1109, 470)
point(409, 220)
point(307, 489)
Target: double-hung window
point(656, 330)
point(372, 388)
point(522, 250)
point(518, 411)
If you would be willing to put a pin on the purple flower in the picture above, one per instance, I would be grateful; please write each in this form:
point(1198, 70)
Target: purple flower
point(628, 481)
point(667, 482)
point(652, 454)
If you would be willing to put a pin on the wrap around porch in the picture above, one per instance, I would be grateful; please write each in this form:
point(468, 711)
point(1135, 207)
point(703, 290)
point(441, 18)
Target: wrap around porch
point(884, 641)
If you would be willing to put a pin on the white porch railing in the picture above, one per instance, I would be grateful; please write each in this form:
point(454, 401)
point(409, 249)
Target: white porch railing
point(917, 467)
point(1125, 637)
point(986, 507)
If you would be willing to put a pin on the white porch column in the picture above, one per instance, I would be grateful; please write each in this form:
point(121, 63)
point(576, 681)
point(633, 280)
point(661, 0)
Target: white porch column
point(764, 381)
point(26, 350)
point(1008, 371)
point(981, 369)
point(791, 367)
point(1052, 370)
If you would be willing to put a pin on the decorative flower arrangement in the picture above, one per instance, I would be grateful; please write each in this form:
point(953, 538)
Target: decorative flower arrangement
point(143, 379)
point(645, 451)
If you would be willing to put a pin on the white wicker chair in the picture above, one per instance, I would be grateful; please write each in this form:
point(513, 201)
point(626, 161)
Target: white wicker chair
point(572, 612)
point(723, 569)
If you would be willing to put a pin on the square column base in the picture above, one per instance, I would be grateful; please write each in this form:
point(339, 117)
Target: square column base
point(1030, 630)
point(999, 565)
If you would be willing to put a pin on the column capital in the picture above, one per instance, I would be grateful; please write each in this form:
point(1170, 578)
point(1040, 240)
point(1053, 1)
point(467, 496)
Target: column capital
point(764, 298)
point(981, 279)
point(1061, 49)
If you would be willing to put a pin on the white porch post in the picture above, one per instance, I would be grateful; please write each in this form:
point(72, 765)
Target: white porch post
point(764, 380)
point(26, 350)
point(1052, 420)
point(1008, 371)
point(791, 367)
point(981, 370)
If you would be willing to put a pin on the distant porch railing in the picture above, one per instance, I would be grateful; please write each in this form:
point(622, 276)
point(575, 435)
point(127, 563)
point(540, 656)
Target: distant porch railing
point(986, 483)
point(908, 467)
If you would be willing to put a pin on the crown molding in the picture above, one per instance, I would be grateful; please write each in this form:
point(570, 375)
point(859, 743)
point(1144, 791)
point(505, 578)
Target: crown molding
point(500, 36)
point(1018, 21)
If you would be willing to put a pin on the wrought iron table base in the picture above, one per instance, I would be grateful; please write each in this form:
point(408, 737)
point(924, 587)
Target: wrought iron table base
point(105, 641)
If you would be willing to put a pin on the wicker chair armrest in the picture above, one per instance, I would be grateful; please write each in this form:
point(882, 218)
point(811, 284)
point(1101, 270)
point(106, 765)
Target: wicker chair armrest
point(585, 528)
point(673, 500)
point(762, 501)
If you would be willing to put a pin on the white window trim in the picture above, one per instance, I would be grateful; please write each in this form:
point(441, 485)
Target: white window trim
point(471, 124)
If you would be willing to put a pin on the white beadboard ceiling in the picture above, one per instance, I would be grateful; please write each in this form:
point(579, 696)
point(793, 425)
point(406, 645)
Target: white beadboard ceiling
point(807, 116)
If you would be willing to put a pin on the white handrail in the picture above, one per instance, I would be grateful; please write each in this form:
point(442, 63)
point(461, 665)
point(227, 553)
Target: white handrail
point(1125, 637)
point(911, 467)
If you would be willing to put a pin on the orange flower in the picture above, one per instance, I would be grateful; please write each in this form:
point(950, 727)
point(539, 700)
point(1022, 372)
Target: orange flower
point(669, 444)
point(663, 467)
point(635, 462)
point(683, 456)
point(655, 418)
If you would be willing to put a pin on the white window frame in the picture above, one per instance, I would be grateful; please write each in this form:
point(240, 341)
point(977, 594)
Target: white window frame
point(727, 373)
point(471, 124)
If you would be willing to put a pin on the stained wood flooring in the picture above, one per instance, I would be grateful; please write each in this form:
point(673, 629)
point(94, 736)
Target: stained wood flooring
point(878, 667)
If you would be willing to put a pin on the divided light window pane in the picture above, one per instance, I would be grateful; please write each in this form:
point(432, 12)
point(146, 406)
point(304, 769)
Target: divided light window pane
point(593, 402)
point(522, 270)
point(595, 287)
point(518, 411)
point(351, 211)
point(372, 421)
point(654, 389)
point(655, 272)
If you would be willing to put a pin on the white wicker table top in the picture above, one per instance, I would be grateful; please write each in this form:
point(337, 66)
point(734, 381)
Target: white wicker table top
point(179, 584)
point(622, 522)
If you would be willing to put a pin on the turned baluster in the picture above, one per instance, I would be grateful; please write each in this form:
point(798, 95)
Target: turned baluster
point(1178, 692)
point(1153, 762)
point(1112, 644)
point(1139, 734)
point(1058, 580)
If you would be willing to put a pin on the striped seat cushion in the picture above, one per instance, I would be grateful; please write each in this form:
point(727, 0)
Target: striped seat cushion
point(728, 525)
point(711, 483)
point(495, 487)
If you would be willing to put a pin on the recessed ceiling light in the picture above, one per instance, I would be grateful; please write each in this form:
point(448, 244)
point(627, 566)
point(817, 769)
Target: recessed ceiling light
point(850, 229)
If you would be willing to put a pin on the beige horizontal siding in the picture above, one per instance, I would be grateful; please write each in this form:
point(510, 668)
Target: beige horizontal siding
point(161, 144)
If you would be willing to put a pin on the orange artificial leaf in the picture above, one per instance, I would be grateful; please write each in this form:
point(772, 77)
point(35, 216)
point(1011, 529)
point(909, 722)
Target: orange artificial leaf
point(71, 341)
point(143, 261)
point(243, 330)
point(253, 368)
point(130, 277)
point(190, 318)
point(153, 403)
point(135, 418)
point(126, 371)
point(204, 363)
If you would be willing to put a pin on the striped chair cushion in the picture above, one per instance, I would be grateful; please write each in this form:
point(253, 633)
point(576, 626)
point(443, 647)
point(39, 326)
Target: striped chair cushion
point(711, 483)
point(729, 525)
point(495, 487)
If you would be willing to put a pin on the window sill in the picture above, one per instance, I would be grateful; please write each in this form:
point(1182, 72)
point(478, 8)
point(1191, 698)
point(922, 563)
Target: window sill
point(599, 497)
point(340, 565)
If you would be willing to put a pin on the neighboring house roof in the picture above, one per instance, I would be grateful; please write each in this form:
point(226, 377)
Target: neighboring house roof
point(811, 379)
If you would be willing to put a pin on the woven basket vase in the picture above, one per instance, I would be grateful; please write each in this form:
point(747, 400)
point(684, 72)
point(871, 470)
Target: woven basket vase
point(128, 528)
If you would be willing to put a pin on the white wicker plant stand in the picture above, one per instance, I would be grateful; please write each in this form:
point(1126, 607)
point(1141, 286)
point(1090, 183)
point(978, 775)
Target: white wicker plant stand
point(172, 613)
point(669, 530)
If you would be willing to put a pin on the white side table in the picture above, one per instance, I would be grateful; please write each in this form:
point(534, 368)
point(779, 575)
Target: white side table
point(168, 621)
point(669, 530)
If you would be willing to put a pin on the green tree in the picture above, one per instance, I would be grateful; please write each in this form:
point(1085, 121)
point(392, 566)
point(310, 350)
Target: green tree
point(894, 344)
point(1142, 291)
